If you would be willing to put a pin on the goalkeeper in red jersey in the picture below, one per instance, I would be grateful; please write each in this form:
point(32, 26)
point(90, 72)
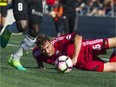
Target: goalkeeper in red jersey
point(84, 53)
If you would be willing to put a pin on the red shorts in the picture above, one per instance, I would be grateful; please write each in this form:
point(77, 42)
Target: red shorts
point(88, 58)
point(95, 65)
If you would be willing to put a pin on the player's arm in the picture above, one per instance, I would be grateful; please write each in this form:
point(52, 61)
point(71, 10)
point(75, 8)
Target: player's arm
point(36, 52)
point(77, 47)
point(40, 64)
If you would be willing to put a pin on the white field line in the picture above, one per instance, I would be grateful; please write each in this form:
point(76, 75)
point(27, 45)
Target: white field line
point(13, 45)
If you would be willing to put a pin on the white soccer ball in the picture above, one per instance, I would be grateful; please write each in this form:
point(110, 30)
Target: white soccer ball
point(63, 64)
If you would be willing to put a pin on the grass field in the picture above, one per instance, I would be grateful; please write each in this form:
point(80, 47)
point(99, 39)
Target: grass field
point(10, 77)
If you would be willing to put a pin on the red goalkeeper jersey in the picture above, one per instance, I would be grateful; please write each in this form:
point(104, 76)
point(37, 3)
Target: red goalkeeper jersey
point(87, 59)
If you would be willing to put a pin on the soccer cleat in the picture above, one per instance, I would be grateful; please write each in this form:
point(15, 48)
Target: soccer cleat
point(16, 64)
point(5, 37)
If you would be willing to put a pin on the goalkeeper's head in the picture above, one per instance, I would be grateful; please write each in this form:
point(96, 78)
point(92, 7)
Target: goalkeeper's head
point(44, 43)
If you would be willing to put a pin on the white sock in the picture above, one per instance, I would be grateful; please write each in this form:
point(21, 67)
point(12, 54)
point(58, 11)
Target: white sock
point(28, 42)
point(13, 28)
point(17, 55)
point(25, 45)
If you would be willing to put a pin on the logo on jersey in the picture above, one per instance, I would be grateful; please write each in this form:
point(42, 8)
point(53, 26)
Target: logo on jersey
point(57, 39)
point(68, 37)
point(37, 13)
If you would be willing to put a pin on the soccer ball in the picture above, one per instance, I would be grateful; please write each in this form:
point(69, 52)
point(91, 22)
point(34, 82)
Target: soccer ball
point(63, 64)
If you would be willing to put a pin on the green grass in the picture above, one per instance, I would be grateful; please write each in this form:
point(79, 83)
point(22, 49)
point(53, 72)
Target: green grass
point(33, 77)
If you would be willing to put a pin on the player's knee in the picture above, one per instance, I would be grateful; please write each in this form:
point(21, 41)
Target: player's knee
point(22, 26)
point(34, 32)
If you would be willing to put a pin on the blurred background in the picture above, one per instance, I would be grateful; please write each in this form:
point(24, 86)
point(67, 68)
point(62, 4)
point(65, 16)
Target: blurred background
point(94, 18)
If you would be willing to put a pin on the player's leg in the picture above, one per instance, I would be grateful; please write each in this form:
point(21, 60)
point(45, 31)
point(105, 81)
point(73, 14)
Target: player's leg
point(100, 66)
point(112, 42)
point(33, 30)
point(21, 17)
point(65, 21)
point(9, 29)
point(95, 64)
point(35, 18)
point(24, 46)
point(71, 25)
point(99, 46)
point(56, 22)
point(110, 67)
point(3, 14)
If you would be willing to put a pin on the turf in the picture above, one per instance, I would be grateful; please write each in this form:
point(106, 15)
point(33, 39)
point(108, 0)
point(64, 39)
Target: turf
point(33, 77)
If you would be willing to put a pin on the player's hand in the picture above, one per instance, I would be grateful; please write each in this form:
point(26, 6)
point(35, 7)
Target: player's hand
point(74, 60)
point(41, 67)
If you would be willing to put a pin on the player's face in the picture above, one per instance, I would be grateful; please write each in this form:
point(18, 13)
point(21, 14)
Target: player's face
point(47, 49)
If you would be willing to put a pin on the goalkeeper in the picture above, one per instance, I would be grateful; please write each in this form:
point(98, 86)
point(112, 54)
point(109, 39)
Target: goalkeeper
point(84, 53)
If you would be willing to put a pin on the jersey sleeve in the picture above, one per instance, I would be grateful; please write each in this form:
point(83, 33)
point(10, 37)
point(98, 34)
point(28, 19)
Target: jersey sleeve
point(64, 39)
point(36, 52)
point(37, 55)
point(70, 37)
